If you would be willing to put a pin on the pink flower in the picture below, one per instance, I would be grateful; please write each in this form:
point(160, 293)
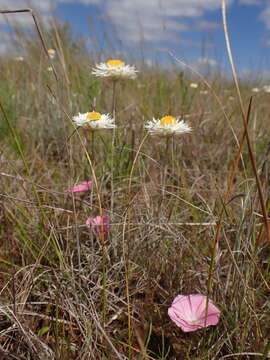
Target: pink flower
point(189, 312)
point(84, 186)
point(99, 224)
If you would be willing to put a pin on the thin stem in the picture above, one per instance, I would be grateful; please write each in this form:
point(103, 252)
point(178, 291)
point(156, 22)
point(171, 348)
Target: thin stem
point(93, 146)
point(114, 99)
point(165, 164)
point(172, 154)
point(113, 144)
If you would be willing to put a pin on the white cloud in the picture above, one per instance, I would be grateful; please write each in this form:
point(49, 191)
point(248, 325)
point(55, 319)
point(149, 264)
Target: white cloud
point(207, 62)
point(207, 25)
point(5, 41)
point(151, 21)
point(155, 20)
point(265, 15)
point(254, 75)
point(266, 42)
point(44, 8)
point(206, 66)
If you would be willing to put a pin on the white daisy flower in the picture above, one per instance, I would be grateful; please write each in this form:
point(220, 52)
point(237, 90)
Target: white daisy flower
point(193, 85)
point(51, 53)
point(266, 88)
point(115, 69)
point(19, 58)
point(167, 126)
point(94, 121)
point(203, 92)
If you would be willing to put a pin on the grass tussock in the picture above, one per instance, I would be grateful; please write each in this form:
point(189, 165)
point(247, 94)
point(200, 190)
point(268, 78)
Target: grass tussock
point(67, 293)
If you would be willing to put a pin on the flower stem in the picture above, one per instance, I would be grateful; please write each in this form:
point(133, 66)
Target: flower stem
point(113, 144)
point(165, 165)
point(93, 146)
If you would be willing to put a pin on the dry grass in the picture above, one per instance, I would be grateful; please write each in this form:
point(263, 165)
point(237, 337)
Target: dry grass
point(63, 294)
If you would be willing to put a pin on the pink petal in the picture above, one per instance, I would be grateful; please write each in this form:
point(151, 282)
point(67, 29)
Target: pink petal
point(99, 224)
point(189, 312)
point(84, 186)
point(212, 317)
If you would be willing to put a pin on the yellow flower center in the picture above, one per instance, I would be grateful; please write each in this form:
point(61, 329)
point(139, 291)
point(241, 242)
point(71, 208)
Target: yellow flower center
point(168, 120)
point(93, 116)
point(115, 63)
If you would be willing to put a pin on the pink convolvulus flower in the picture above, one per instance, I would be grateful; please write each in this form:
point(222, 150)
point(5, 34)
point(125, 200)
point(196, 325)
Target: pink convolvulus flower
point(99, 224)
point(84, 186)
point(189, 312)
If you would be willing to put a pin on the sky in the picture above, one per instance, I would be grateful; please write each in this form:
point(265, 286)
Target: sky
point(191, 29)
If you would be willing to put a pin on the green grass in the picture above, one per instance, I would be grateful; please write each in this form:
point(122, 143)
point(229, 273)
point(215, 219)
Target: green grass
point(64, 295)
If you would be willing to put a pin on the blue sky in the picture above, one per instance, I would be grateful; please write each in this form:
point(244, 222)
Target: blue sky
point(192, 29)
